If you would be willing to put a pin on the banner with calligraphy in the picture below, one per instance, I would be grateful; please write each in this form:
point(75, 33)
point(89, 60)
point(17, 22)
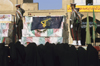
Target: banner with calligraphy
point(46, 22)
point(52, 35)
point(27, 32)
point(87, 8)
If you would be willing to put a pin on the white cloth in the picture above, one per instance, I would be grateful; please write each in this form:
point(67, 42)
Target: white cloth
point(16, 25)
point(17, 4)
point(19, 14)
point(19, 40)
point(74, 42)
point(70, 19)
point(71, 26)
point(79, 42)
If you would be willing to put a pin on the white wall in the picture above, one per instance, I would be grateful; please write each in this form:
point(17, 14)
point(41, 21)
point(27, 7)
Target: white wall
point(80, 2)
point(96, 2)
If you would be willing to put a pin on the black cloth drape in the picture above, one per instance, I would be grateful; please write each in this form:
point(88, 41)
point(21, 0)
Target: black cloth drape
point(47, 55)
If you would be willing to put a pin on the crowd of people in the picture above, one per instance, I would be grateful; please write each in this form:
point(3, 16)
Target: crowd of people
point(47, 55)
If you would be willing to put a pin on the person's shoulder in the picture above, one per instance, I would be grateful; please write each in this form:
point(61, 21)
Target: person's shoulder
point(78, 12)
point(75, 10)
point(22, 10)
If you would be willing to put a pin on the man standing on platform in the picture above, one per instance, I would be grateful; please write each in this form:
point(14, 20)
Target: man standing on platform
point(19, 21)
point(73, 20)
point(78, 26)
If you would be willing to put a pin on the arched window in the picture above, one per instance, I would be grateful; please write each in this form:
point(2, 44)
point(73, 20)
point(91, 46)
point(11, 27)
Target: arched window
point(89, 2)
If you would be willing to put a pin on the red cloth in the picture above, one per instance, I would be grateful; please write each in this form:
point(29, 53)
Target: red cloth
point(97, 47)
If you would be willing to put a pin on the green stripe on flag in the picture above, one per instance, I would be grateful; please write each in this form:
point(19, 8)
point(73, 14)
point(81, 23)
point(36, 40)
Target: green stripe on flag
point(49, 32)
point(94, 26)
point(41, 40)
point(2, 39)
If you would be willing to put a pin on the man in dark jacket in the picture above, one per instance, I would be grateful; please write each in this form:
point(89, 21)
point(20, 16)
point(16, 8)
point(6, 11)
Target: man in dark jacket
point(73, 20)
point(78, 26)
point(19, 20)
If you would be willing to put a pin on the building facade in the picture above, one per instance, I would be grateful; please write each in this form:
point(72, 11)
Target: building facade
point(31, 9)
point(87, 6)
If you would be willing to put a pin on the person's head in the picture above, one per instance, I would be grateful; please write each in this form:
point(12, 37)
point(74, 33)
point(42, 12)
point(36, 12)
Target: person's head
point(17, 6)
point(73, 5)
point(78, 9)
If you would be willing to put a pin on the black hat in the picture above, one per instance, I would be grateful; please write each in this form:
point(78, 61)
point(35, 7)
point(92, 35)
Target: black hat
point(73, 4)
point(77, 9)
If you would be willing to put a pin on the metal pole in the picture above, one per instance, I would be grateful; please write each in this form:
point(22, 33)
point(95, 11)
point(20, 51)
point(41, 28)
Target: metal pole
point(14, 31)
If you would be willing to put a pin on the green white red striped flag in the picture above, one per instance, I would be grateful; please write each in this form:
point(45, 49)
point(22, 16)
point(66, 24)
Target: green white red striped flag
point(94, 26)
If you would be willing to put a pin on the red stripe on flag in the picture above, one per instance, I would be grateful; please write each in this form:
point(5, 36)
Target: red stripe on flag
point(55, 30)
point(37, 34)
point(3, 39)
point(47, 40)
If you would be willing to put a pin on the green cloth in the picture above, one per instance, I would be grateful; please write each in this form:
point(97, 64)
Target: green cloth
point(94, 26)
point(77, 21)
point(88, 38)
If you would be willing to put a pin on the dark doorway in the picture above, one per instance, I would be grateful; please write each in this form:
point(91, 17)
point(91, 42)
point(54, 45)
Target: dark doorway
point(83, 29)
point(89, 2)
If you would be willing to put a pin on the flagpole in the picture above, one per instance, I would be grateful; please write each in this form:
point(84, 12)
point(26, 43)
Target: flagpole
point(94, 39)
point(94, 28)
point(94, 42)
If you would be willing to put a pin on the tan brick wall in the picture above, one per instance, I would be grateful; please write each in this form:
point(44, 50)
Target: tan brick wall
point(30, 6)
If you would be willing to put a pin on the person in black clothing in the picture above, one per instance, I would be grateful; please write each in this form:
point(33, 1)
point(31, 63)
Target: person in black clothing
point(40, 52)
point(48, 54)
point(82, 56)
point(31, 55)
point(4, 53)
point(73, 61)
point(92, 56)
point(17, 54)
